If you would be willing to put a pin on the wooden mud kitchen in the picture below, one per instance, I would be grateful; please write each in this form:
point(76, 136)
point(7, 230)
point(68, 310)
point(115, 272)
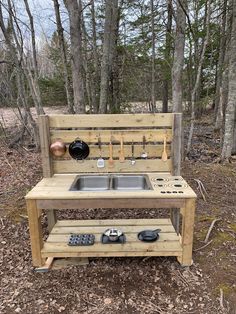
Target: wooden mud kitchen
point(111, 161)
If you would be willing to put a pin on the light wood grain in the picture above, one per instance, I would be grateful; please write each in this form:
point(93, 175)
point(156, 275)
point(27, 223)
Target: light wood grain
point(90, 166)
point(35, 229)
point(111, 203)
point(101, 229)
point(43, 122)
point(187, 232)
point(152, 151)
point(113, 222)
point(167, 244)
point(92, 136)
point(111, 120)
point(175, 251)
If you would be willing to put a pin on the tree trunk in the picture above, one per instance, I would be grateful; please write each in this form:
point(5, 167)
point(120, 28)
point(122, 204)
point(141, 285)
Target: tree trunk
point(15, 53)
point(96, 76)
point(36, 94)
point(167, 56)
point(108, 52)
point(76, 54)
point(115, 67)
point(87, 74)
point(63, 52)
point(198, 77)
point(220, 65)
point(230, 109)
point(178, 61)
point(153, 96)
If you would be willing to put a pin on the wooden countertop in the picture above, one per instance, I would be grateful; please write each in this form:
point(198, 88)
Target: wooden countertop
point(166, 187)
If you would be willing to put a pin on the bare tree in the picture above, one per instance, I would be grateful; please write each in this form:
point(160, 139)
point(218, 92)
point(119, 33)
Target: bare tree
point(153, 92)
point(220, 69)
point(96, 75)
point(178, 61)
point(63, 51)
point(199, 70)
point(167, 58)
point(109, 40)
point(228, 143)
point(15, 48)
point(76, 54)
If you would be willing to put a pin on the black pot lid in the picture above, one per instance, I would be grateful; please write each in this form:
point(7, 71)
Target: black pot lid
point(79, 150)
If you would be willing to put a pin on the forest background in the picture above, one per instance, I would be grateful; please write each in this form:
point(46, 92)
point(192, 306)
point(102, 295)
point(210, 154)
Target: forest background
point(103, 56)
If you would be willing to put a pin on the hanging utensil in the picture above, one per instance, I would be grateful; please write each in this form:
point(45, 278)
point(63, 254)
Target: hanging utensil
point(100, 161)
point(144, 153)
point(78, 149)
point(58, 148)
point(111, 160)
point(133, 161)
point(164, 154)
point(122, 154)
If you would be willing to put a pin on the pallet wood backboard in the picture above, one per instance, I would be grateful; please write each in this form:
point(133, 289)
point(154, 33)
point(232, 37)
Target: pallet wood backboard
point(111, 127)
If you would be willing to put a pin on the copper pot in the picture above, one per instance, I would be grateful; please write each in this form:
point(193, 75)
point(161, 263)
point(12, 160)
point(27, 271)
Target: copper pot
point(58, 148)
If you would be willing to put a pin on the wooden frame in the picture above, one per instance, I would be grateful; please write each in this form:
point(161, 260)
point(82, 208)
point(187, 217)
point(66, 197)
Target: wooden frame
point(171, 244)
point(52, 193)
point(131, 126)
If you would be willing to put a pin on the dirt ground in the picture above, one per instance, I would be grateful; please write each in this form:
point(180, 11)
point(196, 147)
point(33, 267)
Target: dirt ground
point(124, 285)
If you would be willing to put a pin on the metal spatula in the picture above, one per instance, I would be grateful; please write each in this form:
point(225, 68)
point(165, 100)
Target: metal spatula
point(100, 161)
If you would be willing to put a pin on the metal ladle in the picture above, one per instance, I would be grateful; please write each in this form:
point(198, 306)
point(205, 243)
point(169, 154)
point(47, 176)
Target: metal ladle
point(144, 153)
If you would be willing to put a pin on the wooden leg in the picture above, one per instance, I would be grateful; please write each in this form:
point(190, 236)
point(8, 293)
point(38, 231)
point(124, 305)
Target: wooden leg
point(52, 219)
point(35, 229)
point(187, 232)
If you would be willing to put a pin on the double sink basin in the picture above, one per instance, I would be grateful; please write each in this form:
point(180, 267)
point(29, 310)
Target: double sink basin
point(111, 182)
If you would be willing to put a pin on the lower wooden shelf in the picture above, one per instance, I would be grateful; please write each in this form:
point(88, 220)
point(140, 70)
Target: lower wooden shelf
point(168, 244)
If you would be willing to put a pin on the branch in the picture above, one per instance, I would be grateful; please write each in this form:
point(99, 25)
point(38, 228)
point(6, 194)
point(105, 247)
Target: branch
point(5, 61)
point(210, 229)
point(188, 19)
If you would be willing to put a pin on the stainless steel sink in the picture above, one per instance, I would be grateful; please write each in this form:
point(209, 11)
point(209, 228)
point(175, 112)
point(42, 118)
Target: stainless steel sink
point(131, 182)
point(111, 182)
point(91, 183)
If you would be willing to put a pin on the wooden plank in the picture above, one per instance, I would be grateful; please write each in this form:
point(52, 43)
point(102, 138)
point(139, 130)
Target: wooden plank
point(113, 222)
point(131, 237)
point(99, 247)
point(109, 203)
point(35, 228)
point(111, 120)
point(90, 166)
point(176, 143)
point(168, 252)
point(101, 229)
point(152, 151)
point(43, 122)
point(187, 232)
point(92, 136)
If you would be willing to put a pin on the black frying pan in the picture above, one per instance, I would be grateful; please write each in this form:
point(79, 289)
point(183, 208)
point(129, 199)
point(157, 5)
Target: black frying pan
point(149, 235)
point(78, 149)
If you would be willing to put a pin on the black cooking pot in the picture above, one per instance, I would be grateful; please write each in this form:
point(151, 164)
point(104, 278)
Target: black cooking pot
point(78, 149)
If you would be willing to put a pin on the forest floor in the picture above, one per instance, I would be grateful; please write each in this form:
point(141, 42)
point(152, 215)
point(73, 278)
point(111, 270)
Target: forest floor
point(124, 285)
